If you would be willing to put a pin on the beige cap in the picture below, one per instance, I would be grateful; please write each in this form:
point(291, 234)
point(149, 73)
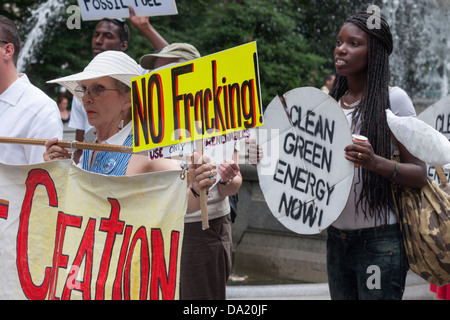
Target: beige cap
point(175, 50)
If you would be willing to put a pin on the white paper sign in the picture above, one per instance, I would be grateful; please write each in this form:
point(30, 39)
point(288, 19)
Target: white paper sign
point(303, 174)
point(420, 138)
point(216, 148)
point(438, 117)
point(99, 9)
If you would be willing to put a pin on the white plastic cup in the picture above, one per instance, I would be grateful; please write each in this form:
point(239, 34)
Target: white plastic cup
point(358, 137)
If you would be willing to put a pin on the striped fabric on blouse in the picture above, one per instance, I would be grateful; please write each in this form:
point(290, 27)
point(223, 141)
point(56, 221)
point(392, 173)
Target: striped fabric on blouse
point(107, 162)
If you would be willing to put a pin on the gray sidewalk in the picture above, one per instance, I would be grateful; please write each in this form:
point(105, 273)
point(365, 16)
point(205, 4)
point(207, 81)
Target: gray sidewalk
point(416, 289)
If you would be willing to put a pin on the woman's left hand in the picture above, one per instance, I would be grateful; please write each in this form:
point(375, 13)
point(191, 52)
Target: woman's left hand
point(228, 169)
point(361, 154)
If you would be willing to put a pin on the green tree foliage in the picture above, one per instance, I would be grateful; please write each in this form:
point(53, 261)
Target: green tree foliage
point(295, 39)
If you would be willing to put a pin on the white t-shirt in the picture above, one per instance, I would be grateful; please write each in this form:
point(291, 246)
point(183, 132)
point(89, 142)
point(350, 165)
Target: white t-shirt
point(27, 112)
point(217, 204)
point(402, 106)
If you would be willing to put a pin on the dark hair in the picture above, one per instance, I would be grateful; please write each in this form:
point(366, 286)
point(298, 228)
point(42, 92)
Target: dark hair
point(124, 30)
point(327, 77)
point(370, 113)
point(10, 34)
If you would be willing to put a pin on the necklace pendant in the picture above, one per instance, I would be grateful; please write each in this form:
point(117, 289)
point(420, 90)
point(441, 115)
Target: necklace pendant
point(108, 166)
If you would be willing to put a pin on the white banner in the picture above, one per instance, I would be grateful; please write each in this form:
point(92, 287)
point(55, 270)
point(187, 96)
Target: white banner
point(99, 9)
point(66, 233)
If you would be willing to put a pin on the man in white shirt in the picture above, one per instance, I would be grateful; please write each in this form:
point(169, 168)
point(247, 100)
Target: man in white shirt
point(25, 110)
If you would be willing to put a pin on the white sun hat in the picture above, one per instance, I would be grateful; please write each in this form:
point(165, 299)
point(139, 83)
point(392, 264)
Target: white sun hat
point(114, 64)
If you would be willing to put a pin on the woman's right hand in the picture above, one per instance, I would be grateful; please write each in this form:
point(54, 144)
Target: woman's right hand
point(255, 152)
point(202, 172)
point(55, 152)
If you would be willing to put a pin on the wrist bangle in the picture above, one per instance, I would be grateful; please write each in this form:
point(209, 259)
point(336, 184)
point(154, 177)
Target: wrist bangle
point(396, 172)
point(226, 183)
point(196, 195)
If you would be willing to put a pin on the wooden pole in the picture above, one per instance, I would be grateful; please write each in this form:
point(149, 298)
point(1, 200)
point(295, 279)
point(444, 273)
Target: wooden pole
point(441, 174)
point(70, 144)
point(112, 148)
point(203, 194)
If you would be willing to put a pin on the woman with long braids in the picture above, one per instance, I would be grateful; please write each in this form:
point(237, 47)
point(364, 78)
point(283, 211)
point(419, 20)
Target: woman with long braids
point(365, 256)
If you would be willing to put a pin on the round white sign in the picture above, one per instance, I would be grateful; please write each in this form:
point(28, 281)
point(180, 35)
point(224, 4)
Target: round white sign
point(303, 174)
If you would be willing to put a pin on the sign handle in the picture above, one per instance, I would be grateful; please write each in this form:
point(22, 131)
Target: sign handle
point(204, 208)
point(441, 174)
point(203, 191)
point(69, 144)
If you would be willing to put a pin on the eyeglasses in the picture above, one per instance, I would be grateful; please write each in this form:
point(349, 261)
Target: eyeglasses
point(94, 91)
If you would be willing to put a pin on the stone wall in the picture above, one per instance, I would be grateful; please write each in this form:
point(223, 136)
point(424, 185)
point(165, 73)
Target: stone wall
point(263, 246)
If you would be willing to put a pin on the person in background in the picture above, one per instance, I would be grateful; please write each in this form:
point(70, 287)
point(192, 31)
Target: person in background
point(26, 111)
point(328, 80)
point(171, 54)
point(206, 254)
point(111, 34)
point(63, 103)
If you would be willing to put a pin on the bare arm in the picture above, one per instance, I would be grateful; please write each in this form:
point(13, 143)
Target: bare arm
point(231, 178)
point(143, 25)
point(412, 170)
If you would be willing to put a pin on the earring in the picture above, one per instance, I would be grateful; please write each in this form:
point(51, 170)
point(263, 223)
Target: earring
point(121, 123)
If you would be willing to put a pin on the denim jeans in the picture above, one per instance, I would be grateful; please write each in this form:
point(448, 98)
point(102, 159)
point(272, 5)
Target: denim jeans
point(366, 264)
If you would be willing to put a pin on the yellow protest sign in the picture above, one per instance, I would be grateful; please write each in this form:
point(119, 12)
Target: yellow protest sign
point(70, 234)
point(206, 97)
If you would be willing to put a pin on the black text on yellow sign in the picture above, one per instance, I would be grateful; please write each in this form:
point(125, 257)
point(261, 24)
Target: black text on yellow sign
point(206, 97)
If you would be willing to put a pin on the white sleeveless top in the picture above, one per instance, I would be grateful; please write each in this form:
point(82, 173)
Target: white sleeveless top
point(402, 106)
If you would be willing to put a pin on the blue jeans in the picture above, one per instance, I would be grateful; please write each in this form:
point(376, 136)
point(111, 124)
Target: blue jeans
point(366, 264)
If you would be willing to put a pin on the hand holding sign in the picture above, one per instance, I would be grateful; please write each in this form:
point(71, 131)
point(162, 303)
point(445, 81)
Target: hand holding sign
point(202, 175)
point(205, 98)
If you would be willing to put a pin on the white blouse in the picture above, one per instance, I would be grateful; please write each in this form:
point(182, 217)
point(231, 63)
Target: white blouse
point(402, 106)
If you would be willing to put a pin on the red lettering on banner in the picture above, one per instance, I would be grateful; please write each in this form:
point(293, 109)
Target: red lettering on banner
point(35, 178)
point(60, 259)
point(112, 226)
point(156, 279)
point(85, 251)
point(4, 205)
point(159, 275)
point(140, 234)
point(117, 288)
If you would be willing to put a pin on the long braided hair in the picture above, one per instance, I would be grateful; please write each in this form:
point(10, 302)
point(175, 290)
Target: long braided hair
point(376, 196)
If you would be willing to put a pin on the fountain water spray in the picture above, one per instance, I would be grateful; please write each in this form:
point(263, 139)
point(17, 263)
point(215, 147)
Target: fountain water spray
point(420, 61)
point(40, 17)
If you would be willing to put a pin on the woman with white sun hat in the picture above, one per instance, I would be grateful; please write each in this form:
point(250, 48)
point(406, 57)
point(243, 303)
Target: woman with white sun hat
point(104, 88)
